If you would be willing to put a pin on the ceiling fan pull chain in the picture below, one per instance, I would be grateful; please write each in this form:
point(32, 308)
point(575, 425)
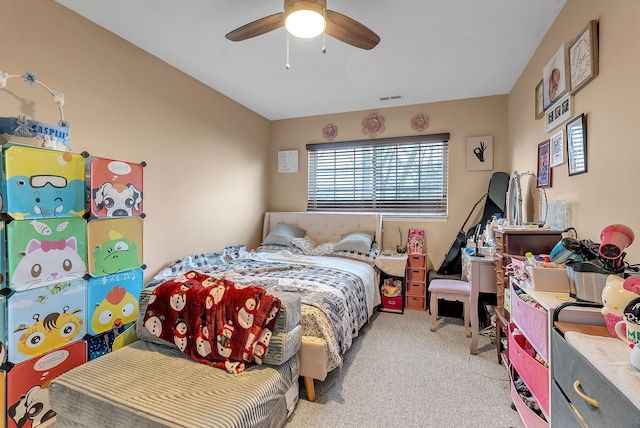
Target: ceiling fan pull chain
point(287, 65)
point(324, 32)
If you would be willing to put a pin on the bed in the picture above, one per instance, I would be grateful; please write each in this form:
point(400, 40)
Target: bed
point(339, 291)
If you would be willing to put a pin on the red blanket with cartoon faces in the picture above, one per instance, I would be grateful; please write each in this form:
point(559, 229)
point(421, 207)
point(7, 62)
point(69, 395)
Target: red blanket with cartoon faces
point(213, 320)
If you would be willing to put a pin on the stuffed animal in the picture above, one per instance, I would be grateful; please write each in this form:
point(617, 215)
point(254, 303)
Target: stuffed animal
point(616, 294)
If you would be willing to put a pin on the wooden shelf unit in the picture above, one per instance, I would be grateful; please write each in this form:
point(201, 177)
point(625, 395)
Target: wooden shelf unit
point(515, 242)
point(416, 282)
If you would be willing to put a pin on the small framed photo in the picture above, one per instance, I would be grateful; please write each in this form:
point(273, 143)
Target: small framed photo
point(556, 76)
point(577, 145)
point(583, 57)
point(558, 113)
point(558, 156)
point(544, 164)
point(480, 153)
point(539, 98)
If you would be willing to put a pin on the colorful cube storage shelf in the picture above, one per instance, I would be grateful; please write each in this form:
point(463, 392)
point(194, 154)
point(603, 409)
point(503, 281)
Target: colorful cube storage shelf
point(28, 384)
point(42, 319)
point(112, 300)
point(3, 329)
point(41, 183)
point(115, 188)
point(3, 255)
point(3, 396)
point(114, 245)
point(70, 269)
point(46, 251)
point(102, 344)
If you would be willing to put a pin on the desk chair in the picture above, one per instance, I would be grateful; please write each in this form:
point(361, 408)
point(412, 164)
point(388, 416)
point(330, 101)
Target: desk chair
point(456, 290)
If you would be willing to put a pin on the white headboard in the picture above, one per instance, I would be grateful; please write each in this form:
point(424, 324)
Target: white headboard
point(325, 227)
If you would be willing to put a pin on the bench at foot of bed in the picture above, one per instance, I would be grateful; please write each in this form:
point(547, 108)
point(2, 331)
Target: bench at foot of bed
point(313, 363)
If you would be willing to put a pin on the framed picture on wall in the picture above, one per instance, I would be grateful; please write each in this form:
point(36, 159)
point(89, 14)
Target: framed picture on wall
point(577, 145)
point(544, 164)
point(555, 77)
point(480, 153)
point(558, 113)
point(583, 57)
point(558, 156)
point(539, 98)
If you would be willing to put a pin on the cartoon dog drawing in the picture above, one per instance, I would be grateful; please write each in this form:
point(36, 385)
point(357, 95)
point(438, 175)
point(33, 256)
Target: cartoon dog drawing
point(32, 406)
point(118, 199)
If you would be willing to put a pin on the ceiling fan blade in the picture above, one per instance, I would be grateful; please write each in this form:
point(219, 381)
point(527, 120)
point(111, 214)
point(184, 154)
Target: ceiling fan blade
point(257, 28)
point(350, 31)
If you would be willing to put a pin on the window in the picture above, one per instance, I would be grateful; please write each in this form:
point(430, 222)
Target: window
point(390, 175)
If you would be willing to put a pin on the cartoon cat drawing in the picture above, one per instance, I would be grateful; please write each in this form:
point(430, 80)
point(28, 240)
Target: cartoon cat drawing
point(48, 262)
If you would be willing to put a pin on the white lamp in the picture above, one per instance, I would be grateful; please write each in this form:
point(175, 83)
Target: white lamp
point(305, 18)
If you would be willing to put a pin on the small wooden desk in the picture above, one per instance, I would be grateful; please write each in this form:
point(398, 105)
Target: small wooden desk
point(479, 272)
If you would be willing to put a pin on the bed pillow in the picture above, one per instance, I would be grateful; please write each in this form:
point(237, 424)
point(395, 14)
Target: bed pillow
point(323, 249)
point(359, 242)
point(369, 257)
point(306, 244)
point(275, 248)
point(282, 234)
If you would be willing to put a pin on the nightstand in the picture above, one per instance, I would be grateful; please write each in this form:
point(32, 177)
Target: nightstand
point(392, 267)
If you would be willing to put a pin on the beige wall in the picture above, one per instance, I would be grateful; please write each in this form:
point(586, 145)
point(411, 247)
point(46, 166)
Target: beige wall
point(211, 173)
point(606, 194)
point(465, 118)
point(205, 180)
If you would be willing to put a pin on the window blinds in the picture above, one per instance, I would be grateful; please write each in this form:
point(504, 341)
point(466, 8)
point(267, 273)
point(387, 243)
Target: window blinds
point(391, 175)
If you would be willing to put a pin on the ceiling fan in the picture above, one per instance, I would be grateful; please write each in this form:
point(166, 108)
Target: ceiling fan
point(320, 18)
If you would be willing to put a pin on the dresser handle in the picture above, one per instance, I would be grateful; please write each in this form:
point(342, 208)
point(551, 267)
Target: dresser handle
point(584, 423)
point(576, 387)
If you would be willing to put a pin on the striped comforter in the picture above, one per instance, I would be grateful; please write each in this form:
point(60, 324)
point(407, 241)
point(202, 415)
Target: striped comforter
point(336, 301)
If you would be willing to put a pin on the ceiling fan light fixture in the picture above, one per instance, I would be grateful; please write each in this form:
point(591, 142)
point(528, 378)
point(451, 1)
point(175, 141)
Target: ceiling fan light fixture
point(304, 18)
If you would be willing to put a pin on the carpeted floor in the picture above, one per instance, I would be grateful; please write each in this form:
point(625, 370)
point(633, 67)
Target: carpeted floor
point(400, 374)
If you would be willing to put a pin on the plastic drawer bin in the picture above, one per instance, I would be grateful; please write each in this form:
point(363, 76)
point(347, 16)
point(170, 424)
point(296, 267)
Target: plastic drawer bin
point(549, 279)
point(534, 374)
point(392, 302)
point(532, 321)
point(528, 416)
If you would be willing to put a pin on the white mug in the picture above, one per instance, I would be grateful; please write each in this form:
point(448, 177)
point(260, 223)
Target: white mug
point(632, 333)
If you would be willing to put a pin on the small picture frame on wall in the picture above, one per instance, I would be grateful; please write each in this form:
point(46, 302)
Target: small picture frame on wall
point(480, 153)
point(583, 57)
point(544, 164)
point(558, 156)
point(577, 145)
point(556, 77)
point(539, 100)
point(558, 113)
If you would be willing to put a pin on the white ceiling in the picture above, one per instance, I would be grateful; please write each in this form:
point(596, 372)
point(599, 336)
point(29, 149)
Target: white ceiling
point(430, 50)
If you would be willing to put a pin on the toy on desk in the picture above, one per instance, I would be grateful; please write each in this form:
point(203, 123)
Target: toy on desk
point(616, 294)
point(629, 328)
point(632, 315)
point(415, 240)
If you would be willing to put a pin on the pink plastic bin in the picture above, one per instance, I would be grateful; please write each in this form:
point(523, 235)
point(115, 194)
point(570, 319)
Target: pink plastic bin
point(534, 374)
